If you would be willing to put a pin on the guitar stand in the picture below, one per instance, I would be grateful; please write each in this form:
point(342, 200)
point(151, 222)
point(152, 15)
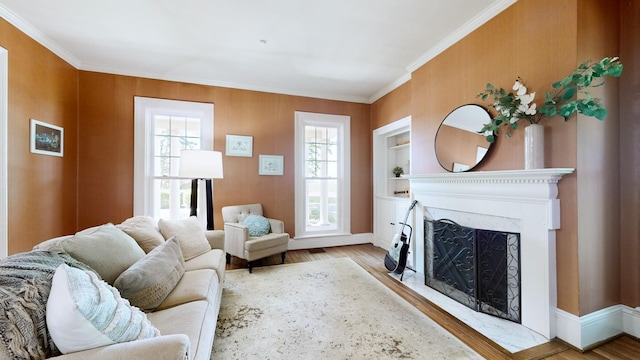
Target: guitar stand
point(407, 268)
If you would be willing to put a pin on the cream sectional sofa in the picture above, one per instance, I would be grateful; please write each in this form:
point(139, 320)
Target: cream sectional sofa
point(185, 314)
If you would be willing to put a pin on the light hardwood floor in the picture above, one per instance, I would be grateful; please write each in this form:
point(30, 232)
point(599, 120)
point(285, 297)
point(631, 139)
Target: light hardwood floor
point(371, 259)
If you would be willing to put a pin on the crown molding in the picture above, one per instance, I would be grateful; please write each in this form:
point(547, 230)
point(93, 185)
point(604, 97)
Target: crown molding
point(447, 42)
point(22, 25)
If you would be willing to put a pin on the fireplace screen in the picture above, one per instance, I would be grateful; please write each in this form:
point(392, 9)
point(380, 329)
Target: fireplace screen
point(478, 268)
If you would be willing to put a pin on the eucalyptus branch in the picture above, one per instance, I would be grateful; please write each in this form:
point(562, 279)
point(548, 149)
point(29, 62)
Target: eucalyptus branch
point(561, 101)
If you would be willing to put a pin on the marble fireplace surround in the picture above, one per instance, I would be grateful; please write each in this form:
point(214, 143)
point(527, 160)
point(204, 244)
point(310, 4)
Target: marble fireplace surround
point(523, 201)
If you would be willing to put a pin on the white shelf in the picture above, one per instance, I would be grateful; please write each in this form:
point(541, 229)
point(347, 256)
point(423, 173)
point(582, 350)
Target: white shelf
point(401, 146)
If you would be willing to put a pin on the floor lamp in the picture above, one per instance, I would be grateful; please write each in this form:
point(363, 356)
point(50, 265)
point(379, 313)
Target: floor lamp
point(201, 165)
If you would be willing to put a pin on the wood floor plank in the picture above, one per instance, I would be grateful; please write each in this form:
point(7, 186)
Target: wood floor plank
point(370, 258)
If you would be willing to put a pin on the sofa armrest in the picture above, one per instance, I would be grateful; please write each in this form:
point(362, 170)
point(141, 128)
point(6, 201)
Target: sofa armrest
point(215, 238)
point(235, 235)
point(166, 347)
point(277, 226)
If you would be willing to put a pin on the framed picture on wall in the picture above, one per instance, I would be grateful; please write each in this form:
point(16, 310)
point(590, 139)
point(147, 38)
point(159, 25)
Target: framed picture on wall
point(46, 139)
point(239, 145)
point(271, 165)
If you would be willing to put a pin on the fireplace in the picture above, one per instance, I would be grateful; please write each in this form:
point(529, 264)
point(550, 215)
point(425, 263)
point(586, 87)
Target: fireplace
point(478, 268)
point(521, 202)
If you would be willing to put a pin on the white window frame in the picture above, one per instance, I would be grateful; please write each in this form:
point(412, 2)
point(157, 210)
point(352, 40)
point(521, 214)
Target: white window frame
point(144, 111)
point(344, 172)
point(4, 192)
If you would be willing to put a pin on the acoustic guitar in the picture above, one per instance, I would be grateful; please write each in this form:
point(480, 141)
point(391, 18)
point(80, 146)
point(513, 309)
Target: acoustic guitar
point(395, 259)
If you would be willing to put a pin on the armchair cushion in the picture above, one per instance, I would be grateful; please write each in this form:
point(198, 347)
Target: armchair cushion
point(258, 225)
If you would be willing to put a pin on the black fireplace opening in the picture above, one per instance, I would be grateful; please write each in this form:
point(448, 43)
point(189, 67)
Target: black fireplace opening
point(476, 267)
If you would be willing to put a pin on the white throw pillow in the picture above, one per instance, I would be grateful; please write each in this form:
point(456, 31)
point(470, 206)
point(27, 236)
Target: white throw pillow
point(143, 230)
point(189, 234)
point(84, 312)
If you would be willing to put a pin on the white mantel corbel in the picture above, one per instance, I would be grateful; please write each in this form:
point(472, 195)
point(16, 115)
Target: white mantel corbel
point(526, 198)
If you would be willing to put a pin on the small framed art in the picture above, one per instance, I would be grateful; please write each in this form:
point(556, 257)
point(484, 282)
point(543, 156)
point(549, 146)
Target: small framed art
point(46, 139)
point(239, 145)
point(271, 165)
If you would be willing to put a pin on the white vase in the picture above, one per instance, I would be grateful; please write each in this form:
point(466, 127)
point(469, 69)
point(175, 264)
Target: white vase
point(534, 146)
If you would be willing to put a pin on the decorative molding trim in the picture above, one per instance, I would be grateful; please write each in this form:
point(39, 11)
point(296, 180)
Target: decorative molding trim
point(631, 321)
point(466, 29)
point(389, 88)
point(4, 190)
point(330, 241)
point(460, 33)
point(523, 201)
point(588, 330)
point(22, 25)
point(549, 176)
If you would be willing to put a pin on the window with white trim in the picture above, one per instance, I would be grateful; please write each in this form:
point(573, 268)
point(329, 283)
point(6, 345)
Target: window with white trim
point(163, 128)
point(322, 174)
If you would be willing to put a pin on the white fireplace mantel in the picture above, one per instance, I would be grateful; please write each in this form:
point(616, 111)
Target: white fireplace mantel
point(523, 201)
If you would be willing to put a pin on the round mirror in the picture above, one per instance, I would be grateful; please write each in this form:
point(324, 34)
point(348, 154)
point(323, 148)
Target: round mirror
point(459, 146)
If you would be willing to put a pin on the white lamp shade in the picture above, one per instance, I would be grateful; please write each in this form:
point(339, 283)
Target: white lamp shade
point(200, 164)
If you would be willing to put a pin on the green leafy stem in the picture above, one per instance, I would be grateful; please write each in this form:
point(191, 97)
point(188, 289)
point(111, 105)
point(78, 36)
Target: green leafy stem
point(562, 100)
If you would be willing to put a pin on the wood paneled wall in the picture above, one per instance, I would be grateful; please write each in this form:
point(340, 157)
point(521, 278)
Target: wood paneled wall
point(541, 41)
point(106, 147)
point(42, 189)
point(630, 153)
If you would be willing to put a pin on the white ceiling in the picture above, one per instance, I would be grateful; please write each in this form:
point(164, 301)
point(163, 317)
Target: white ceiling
point(352, 50)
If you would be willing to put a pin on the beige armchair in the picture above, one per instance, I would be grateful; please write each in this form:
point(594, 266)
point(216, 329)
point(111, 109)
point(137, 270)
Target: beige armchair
point(239, 243)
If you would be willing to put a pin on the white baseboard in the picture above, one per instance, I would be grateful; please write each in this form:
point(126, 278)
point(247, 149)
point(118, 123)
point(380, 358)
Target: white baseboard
point(329, 241)
point(588, 330)
point(631, 321)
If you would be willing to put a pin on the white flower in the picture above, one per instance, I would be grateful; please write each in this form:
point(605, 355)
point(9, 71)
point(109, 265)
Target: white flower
point(526, 99)
point(531, 110)
point(520, 88)
point(516, 85)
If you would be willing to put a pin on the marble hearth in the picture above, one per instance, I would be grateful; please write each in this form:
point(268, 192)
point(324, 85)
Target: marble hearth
point(522, 201)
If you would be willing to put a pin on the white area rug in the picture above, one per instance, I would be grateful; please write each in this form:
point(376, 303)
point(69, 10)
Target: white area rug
point(329, 309)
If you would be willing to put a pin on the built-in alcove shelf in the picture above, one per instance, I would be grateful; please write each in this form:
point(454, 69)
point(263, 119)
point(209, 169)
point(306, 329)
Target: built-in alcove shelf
point(520, 201)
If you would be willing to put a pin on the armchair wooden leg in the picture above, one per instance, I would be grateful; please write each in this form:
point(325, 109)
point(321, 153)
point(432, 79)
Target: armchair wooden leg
point(250, 263)
point(284, 253)
point(228, 258)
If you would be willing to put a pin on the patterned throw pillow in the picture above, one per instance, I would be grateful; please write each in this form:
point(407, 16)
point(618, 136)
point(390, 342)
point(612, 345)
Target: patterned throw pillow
point(258, 225)
point(84, 312)
point(148, 282)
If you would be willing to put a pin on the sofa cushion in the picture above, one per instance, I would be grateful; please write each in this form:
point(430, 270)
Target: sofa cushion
point(84, 312)
point(148, 282)
point(143, 230)
point(196, 319)
point(189, 234)
point(258, 225)
point(214, 260)
point(194, 285)
point(106, 249)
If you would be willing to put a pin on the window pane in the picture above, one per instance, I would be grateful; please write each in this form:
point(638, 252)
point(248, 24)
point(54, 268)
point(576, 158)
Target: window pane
point(321, 206)
point(178, 126)
point(162, 125)
point(193, 127)
point(172, 198)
